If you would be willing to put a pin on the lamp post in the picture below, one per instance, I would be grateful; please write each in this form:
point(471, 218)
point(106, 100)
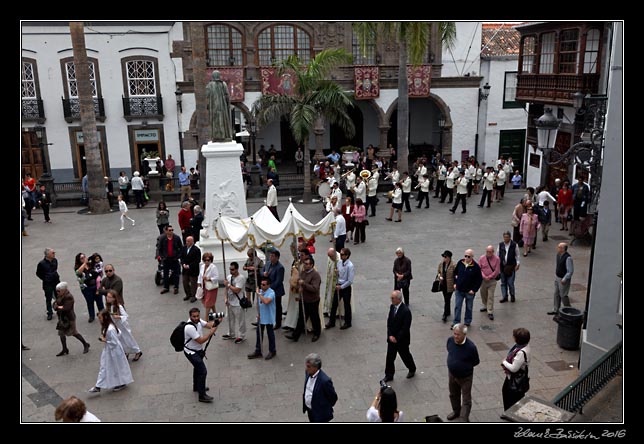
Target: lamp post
point(441, 125)
point(484, 92)
point(252, 127)
point(483, 95)
point(178, 94)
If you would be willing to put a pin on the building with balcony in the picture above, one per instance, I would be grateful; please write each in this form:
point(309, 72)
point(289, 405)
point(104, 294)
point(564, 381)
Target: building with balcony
point(132, 74)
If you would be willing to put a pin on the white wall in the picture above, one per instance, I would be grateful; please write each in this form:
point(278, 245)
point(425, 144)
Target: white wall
point(462, 103)
point(492, 110)
point(464, 58)
point(107, 44)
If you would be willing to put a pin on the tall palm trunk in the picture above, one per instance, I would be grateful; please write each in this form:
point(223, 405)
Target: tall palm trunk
point(306, 195)
point(98, 202)
point(403, 108)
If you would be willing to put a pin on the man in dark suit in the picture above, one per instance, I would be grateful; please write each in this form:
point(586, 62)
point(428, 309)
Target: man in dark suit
point(319, 395)
point(170, 247)
point(190, 258)
point(398, 337)
point(109, 191)
point(274, 270)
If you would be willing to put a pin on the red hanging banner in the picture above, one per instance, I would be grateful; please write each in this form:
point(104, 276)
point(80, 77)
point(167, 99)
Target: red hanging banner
point(234, 78)
point(418, 80)
point(367, 82)
point(274, 84)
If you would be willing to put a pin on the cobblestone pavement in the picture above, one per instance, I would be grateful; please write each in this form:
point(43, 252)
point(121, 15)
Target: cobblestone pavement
point(270, 391)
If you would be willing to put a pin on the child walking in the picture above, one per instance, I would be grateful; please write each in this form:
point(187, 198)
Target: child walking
point(123, 210)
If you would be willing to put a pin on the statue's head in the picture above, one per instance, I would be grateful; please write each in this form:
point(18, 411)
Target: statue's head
point(216, 75)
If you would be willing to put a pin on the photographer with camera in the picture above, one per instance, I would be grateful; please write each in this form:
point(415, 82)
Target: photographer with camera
point(384, 407)
point(194, 351)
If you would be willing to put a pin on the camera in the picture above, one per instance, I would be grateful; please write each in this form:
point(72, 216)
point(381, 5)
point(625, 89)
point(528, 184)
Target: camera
point(383, 385)
point(216, 317)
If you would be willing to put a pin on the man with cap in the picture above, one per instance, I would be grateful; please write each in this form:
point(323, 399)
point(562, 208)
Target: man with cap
point(445, 275)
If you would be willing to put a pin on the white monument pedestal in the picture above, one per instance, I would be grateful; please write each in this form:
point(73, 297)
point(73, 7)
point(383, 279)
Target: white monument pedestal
point(226, 195)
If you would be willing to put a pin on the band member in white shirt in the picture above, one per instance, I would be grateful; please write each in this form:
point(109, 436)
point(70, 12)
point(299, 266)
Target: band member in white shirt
point(461, 193)
point(423, 194)
point(452, 173)
point(406, 191)
point(441, 175)
point(372, 190)
point(488, 186)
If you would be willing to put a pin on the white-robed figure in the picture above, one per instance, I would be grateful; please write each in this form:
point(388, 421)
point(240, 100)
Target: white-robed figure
point(114, 371)
point(120, 318)
point(290, 321)
point(331, 280)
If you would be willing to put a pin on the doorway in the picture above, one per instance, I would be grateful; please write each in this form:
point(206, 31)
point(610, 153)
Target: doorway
point(512, 144)
point(339, 139)
point(141, 148)
point(32, 159)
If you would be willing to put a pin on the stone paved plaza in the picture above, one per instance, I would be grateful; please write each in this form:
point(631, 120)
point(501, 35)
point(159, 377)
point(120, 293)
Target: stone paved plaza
point(271, 391)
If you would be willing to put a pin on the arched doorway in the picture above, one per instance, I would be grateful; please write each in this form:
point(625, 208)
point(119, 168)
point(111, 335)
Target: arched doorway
point(339, 139)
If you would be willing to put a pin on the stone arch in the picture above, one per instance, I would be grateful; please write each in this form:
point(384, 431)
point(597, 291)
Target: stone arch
point(444, 109)
point(379, 112)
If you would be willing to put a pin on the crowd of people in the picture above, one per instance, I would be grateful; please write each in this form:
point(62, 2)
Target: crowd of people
point(308, 303)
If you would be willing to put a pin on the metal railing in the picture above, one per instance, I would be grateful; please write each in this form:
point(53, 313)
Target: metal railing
point(32, 109)
point(71, 108)
point(589, 383)
point(148, 106)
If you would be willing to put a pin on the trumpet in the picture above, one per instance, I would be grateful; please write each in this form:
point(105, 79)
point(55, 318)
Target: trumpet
point(347, 173)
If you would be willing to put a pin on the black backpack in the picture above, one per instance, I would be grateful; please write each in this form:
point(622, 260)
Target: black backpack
point(178, 336)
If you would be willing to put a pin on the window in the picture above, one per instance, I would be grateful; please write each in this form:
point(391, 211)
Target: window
point(72, 86)
point(510, 91)
point(592, 51)
point(568, 51)
point(528, 55)
point(280, 41)
point(224, 46)
point(28, 81)
point(140, 78)
point(369, 56)
point(547, 60)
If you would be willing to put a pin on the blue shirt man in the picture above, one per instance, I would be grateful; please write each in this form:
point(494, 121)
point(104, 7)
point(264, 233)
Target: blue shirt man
point(184, 177)
point(346, 274)
point(266, 319)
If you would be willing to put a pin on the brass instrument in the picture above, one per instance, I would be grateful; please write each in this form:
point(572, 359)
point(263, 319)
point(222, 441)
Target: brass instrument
point(365, 174)
point(347, 173)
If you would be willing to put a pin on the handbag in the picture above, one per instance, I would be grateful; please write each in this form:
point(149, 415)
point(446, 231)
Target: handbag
point(210, 285)
point(366, 222)
point(508, 270)
point(199, 293)
point(244, 302)
point(436, 286)
point(519, 380)
point(63, 323)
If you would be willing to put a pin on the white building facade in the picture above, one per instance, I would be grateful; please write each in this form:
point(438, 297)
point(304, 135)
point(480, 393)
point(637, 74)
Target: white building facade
point(133, 79)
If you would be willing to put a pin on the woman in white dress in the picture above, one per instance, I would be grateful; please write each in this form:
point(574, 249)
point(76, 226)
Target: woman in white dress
point(208, 280)
point(120, 318)
point(114, 370)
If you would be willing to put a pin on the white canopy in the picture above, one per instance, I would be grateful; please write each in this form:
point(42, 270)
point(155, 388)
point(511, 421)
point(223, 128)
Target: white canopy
point(262, 229)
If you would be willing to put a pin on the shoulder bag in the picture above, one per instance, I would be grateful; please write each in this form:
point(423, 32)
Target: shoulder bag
point(244, 302)
point(210, 285)
point(498, 276)
point(519, 380)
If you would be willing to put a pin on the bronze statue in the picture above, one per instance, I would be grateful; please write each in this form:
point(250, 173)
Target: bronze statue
point(218, 104)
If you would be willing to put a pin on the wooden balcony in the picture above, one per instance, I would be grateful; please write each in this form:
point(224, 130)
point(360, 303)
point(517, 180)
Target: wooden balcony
point(555, 88)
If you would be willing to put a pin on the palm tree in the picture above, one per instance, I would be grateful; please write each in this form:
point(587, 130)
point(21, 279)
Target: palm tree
point(413, 40)
point(314, 97)
point(98, 202)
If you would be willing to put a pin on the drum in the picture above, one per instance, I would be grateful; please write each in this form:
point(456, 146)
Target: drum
point(324, 189)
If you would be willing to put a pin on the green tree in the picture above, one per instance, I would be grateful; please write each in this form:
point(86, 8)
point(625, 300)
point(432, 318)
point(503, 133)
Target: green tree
point(98, 202)
point(314, 98)
point(413, 40)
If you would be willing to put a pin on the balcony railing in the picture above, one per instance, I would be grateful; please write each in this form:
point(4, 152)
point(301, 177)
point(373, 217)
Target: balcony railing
point(32, 109)
point(71, 109)
point(555, 88)
point(149, 106)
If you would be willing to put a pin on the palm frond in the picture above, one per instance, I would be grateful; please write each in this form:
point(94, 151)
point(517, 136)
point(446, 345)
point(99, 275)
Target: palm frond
point(270, 107)
point(417, 37)
point(447, 32)
point(326, 61)
point(302, 118)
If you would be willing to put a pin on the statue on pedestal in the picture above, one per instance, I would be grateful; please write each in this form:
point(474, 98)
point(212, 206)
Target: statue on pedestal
point(218, 104)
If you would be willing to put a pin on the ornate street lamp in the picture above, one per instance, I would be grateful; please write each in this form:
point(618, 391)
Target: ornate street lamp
point(484, 92)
